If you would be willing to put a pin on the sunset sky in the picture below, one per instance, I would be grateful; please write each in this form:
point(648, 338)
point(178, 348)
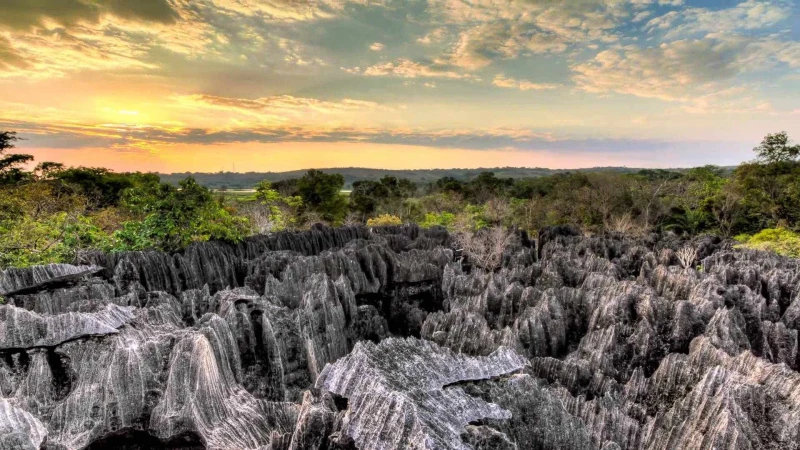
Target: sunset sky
point(255, 85)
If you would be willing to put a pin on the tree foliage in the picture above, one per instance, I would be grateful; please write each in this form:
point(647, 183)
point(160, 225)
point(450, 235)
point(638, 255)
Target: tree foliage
point(386, 196)
point(321, 193)
point(384, 220)
point(279, 212)
point(11, 165)
point(777, 240)
point(171, 218)
point(776, 148)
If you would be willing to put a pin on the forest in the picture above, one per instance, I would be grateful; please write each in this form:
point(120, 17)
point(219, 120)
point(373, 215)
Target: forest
point(50, 213)
point(223, 180)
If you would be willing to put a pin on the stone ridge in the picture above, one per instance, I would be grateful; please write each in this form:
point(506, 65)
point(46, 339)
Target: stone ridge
point(15, 281)
point(579, 342)
point(398, 397)
point(23, 329)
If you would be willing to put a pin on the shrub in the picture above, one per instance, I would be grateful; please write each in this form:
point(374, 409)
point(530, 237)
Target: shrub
point(174, 218)
point(485, 247)
point(776, 240)
point(384, 220)
point(273, 211)
point(686, 256)
point(444, 219)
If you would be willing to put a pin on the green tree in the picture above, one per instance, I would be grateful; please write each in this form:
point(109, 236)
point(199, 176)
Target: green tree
point(770, 195)
point(11, 165)
point(103, 187)
point(321, 193)
point(366, 196)
point(40, 224)
point(776, 148)
point(282, 211)
point(777, 240)
point(386, 196)
point(47, 170)
point(171, 218)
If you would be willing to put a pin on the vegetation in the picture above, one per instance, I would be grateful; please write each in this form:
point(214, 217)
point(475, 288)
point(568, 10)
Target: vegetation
point(384, 220)
point(169, 218)
point(777, 240)
point(248, 180)
point(53, 213)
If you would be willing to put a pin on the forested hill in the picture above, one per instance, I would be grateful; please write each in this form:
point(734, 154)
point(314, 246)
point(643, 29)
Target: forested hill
point(234, 180)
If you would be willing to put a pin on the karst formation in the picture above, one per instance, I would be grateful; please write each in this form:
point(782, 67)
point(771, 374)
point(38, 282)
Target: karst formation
point(390, 338)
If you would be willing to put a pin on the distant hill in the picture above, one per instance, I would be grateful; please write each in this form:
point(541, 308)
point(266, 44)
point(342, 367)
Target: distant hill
point(247, 180)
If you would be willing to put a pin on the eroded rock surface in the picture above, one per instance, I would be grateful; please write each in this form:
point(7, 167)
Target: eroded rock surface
point(398, 397)
point(387, 338)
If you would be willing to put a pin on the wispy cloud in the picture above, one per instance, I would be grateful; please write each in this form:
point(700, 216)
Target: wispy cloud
point(406, 68)
point(510, 83)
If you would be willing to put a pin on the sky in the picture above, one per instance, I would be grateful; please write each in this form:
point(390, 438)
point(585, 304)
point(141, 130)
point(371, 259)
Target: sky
point(274, 85)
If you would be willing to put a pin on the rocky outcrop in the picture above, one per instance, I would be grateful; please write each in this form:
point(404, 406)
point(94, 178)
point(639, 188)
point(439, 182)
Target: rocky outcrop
point(19, 430)
point(383, 338)
point(17, 281)
point(23, 329)
point(400, 393)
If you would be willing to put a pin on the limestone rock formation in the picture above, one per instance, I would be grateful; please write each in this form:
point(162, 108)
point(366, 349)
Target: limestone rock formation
point(397, 394)
point(15, 281)
point(384, 338)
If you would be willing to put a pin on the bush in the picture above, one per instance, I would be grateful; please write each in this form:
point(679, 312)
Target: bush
point(444, 219)
point(384, 220)
point(776, 240)
point(40, 224)
point(485, 247)
point(172, 218)
point(273, 211)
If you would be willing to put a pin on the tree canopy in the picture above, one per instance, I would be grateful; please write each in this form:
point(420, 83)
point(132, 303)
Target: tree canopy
point(777, 148)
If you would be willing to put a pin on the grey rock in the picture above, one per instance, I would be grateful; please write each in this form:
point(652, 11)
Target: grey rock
point(23, 329)
point(303, 340)
point(15, 281)
point(19, 430)
point(398, 396)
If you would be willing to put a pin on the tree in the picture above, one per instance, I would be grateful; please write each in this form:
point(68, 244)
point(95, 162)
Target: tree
point(384, 196)
point(47, 170)
point(172, 218)
point(770, 195)
point(366, 196)
point(384, 220)
point(103, 187)
point(277, 212)
point(10, 165)
point(321, 193)
point(775, 148)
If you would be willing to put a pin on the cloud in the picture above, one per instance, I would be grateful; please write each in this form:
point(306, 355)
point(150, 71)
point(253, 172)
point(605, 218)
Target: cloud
point(376, 46)
point(671, 70)
point(405, 68)
point(491, 30)
point(26, 14)
point(41, 55)
point(284, 10)
point(150, 138)
point(111, 35)
point(480, 46)
point(748, 15)
point(705, 75)
point(435, 36)
point(510, 83)
point(9, 58)
point(280, 105)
